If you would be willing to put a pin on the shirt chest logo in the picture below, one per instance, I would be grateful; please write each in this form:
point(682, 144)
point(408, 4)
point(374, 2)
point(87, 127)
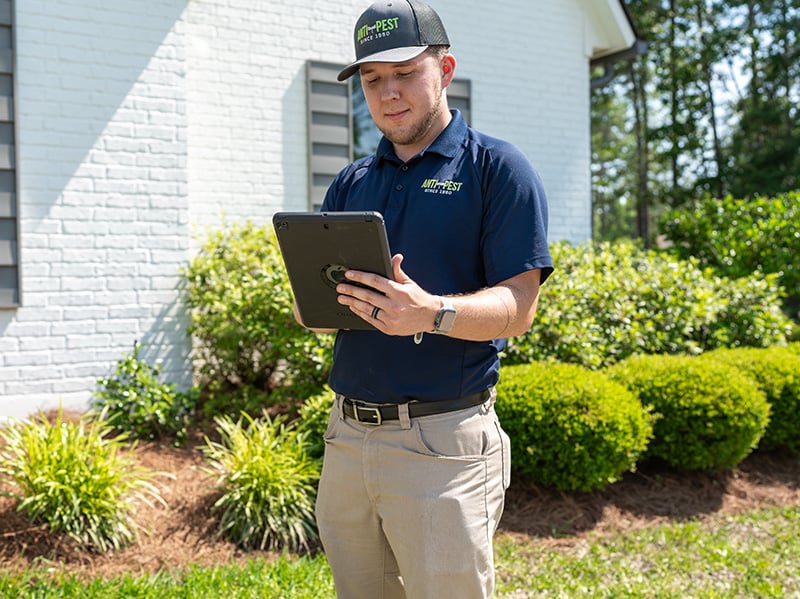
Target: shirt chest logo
point(446, 187)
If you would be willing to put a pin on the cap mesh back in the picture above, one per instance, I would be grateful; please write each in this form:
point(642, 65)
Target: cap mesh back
point(431, 29)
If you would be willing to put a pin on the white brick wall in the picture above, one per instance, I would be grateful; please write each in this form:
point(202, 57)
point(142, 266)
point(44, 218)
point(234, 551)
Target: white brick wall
point(247, 92)
point(104, 212)
point(141, 123)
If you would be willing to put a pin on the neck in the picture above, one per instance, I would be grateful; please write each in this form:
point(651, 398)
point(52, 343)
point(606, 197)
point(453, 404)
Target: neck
point(406, 152)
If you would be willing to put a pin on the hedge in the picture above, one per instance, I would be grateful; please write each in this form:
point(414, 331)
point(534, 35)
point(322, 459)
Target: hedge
point(709, 416)
point(777, 373)
point(607, 302)
point(570, 427)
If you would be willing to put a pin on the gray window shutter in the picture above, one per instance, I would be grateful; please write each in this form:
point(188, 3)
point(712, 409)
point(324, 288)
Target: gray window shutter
point(330, 142)
point(9, 254)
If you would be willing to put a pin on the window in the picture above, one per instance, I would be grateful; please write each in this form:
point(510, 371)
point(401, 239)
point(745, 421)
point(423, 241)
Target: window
point(9, 252)
point(340, 128)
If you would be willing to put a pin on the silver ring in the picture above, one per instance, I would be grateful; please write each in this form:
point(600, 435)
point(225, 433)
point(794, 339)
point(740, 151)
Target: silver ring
point(375, 311)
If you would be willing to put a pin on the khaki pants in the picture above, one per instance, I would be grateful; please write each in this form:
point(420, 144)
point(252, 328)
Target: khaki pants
point(407, 509)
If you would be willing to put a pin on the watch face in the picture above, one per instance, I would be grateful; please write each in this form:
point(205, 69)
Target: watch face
point(446, 319)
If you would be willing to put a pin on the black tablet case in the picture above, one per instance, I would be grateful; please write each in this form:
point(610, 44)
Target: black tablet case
point(317, 248)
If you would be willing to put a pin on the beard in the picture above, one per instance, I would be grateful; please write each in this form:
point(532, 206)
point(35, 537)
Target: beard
point(414, 132)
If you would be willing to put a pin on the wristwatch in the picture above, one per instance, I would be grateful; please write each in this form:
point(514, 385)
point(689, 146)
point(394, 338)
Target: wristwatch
point(445, 318)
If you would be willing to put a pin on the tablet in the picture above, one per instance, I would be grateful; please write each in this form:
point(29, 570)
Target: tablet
point(317, 249)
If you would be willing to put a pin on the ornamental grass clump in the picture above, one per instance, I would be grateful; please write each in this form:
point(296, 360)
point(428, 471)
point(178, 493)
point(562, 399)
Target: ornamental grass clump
point(268, 482)
point(75, 478)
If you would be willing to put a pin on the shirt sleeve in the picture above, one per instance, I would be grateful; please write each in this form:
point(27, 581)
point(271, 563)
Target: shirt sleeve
point(515, 217)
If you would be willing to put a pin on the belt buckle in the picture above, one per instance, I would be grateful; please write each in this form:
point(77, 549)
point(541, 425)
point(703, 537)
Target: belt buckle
point(375, 414)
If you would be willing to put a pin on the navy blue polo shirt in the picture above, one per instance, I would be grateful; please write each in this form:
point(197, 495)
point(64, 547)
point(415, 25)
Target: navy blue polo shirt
point(466, 213)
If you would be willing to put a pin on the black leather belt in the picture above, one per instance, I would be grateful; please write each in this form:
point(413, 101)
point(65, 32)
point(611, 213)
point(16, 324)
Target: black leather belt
point(367, 413)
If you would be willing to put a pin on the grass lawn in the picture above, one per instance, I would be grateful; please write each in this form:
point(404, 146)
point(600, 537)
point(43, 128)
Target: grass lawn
point(755, 554)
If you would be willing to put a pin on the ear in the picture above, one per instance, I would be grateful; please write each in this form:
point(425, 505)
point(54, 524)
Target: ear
point(448, 69)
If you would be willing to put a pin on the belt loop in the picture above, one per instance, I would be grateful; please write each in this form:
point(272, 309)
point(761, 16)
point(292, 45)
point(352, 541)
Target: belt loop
point(402, 414)
point(338, 404)
point(491, 397)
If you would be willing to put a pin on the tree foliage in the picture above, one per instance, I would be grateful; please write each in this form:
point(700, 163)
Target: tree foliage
point(710, 109)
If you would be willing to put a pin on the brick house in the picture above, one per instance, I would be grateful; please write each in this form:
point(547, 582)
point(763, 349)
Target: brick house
point(129, 127)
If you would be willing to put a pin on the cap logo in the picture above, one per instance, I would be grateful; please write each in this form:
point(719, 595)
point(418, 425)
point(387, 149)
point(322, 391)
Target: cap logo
point(380, 28)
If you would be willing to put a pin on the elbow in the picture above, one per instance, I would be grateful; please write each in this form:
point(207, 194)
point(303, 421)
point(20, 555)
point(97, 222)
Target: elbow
point(523, 323)
point(520, 328)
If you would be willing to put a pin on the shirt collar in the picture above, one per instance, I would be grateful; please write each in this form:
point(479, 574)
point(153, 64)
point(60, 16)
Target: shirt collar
point(447, 144)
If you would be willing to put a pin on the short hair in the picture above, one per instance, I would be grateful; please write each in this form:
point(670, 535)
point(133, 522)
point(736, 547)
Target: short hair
point(438, 52)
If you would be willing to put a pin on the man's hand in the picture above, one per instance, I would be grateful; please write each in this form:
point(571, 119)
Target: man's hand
point(399, 307)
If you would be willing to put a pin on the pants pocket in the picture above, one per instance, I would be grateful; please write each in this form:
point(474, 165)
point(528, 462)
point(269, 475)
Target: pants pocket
point(463, 434)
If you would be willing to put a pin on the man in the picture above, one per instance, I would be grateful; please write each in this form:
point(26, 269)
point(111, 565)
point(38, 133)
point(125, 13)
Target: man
point(416, 464)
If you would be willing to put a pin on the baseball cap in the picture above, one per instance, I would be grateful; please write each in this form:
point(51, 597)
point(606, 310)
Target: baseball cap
point(395, 31)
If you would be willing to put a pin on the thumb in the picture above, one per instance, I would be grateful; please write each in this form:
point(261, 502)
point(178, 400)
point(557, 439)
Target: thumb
point(399, 275)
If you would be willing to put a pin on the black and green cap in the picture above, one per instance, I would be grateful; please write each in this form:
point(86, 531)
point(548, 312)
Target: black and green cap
point(395, 31)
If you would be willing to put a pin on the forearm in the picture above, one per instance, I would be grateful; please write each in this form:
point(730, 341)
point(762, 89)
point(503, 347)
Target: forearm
point(505, 310)
point(493, 313)
point(401, 307)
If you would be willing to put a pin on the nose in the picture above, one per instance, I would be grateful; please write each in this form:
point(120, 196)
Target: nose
point(389, 90)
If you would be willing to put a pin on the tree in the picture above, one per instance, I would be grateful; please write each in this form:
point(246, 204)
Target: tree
point(765, 144)
point(613, 165)
point(711, 109)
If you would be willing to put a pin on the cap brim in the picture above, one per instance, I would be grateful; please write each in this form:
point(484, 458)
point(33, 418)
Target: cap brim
point(394, 55)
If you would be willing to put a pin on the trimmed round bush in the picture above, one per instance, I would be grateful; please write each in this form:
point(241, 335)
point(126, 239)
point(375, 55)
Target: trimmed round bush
point(571, 428)
point(709, 416)
point(777, 372)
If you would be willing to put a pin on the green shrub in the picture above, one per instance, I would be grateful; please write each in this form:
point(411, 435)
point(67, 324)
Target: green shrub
point(777, 372)
point(313, 421)
point(268, 482)
point(570, 428)
point(740, 236)
point(135, 401)
point(709, 416)
point(607, 302)
point(242, 319)
point(73, 477)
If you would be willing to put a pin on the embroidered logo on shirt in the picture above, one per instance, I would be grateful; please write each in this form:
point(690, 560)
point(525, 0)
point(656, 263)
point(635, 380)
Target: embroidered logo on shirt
point(441, 187)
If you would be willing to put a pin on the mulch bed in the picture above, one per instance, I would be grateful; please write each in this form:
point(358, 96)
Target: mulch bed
point(185, 532)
